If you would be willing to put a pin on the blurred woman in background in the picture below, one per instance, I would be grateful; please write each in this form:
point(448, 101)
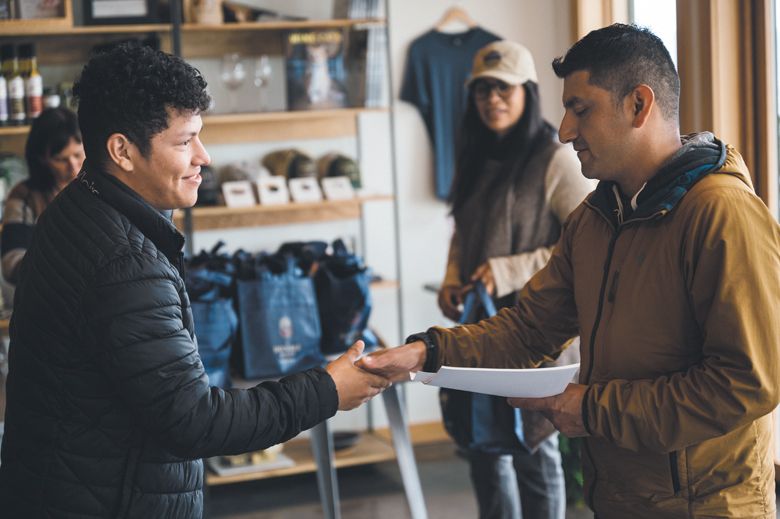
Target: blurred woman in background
point(514, 186)
point(54, 155)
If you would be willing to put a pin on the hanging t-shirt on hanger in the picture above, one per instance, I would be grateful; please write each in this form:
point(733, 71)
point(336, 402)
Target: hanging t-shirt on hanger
point(437, 67)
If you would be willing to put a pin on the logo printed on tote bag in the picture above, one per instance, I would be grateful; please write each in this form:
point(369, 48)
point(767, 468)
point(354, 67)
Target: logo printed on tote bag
point(285, 327)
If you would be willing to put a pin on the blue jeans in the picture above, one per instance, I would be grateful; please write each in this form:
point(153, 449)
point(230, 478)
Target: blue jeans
point(528, 486)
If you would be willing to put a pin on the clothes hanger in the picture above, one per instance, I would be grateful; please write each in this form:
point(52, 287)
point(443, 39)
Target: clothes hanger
point(457, 16)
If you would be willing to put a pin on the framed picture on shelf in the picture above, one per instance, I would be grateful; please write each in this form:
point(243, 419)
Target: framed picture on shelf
point(305, 189)
point(116, 12)
point(316, 74)
point(36, 9)
point(238, 193)
point(273, 190)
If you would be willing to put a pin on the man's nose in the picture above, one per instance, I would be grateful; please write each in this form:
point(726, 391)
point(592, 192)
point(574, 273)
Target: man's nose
point(567, 130)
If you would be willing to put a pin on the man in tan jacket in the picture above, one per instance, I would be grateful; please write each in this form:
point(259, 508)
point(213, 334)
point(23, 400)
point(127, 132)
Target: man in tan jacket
point(670, 273)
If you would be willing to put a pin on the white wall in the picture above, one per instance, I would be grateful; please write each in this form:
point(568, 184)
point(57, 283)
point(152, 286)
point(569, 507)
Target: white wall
point(543, 27)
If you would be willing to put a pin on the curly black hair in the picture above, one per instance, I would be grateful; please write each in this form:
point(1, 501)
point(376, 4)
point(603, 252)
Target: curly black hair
point(129, 89)
point(620, 57)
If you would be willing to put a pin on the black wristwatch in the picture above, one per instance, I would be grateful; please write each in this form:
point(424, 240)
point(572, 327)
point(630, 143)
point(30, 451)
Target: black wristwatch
point(431, 364)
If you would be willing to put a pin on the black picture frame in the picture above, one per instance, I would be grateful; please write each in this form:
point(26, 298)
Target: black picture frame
point(123, 12)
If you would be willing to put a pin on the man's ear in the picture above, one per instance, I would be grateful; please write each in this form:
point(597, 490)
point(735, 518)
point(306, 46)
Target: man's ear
point(119, 151)
point(641, 103)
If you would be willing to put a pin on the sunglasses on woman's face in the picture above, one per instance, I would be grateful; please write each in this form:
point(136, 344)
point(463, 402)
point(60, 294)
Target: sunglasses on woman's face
point(483, 88)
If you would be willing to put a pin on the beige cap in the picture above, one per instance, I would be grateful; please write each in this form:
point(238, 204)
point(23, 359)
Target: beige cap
point(504, 60)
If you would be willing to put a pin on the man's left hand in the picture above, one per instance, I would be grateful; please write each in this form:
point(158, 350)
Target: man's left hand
point(564, 410)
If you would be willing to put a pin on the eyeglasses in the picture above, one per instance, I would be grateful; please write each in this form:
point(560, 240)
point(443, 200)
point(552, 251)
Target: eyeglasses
point(483, 89)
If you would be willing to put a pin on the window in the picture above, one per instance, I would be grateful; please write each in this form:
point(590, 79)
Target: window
point(660, 16)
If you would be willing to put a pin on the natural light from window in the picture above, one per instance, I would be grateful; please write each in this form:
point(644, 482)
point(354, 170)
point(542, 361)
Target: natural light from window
point(660, 16)
point(777, 96)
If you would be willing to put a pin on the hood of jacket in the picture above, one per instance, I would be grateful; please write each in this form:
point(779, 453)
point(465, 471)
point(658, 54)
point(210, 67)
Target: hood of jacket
point(701, 154)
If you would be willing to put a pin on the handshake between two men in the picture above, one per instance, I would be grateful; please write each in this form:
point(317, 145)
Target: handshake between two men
point(358, 379)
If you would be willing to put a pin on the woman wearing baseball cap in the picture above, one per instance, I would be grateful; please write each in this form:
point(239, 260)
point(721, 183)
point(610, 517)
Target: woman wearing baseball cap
point(514, 186)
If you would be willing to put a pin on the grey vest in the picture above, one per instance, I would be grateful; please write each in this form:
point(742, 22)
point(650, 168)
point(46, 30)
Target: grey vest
point(508, 216)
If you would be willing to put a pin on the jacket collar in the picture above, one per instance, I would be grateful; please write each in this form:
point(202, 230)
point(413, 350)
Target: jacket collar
point(700, 155)
point(154, 224)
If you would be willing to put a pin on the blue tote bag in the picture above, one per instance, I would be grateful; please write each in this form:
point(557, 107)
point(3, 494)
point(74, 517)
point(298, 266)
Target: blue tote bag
point(343, 289)
point(279, 323)
point(477, 422)
point(215, 323)
point(209, 285)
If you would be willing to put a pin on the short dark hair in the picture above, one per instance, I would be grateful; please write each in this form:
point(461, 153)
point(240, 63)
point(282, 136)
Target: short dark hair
point(49, 133)
point(620, 57)
point(129, 89)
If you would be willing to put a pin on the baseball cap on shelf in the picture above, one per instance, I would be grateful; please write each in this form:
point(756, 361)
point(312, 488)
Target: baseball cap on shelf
point(338, 165)
point(290, 163)
point(504, 60)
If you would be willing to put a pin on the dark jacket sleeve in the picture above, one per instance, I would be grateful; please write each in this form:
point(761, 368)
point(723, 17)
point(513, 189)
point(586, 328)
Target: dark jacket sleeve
point(135, 321)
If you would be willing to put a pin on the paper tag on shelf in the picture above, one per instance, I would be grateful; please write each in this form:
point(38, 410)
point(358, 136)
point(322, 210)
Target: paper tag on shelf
point(273, 190)
point(238, 193)
point(305, 190)
point(338, 188)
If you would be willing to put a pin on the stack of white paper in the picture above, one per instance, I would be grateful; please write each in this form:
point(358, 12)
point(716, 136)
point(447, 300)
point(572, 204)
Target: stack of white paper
point(521, 383)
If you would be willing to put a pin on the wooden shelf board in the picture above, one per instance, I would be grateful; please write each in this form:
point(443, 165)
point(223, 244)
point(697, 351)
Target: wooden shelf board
point(373, 447)
point(208, 218)
point(275, 126)
point(297, 115)
point(7, 131)
point(369, 449)
point(385, 284)
point(18, 28)
point(421, 433)
point(262, 126)
point(64, 26)
point(280, 25)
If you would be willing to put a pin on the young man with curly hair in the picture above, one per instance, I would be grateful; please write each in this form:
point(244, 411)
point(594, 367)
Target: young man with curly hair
point(109, 408)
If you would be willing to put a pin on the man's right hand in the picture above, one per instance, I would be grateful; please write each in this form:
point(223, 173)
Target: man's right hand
point(354, 386)
point(449, 299)
point(395, 363)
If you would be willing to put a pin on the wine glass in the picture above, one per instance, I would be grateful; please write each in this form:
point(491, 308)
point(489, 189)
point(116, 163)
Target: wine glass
point(233, 75)
point(262, 78)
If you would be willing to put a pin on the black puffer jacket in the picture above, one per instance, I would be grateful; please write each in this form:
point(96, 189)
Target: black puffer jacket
point(109, 409)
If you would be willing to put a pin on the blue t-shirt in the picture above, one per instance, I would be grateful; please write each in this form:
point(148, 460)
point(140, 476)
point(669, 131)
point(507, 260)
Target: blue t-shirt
point(437, 67)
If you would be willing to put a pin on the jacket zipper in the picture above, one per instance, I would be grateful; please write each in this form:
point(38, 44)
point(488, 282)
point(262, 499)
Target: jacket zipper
point(613, 287)
point(675, 472)
point(591, 348)
point(602, 293)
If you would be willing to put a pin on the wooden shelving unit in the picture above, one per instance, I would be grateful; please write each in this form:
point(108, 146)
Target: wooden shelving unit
point(209, 218)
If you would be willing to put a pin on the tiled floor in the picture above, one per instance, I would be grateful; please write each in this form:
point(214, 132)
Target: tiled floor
point(371, 491)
